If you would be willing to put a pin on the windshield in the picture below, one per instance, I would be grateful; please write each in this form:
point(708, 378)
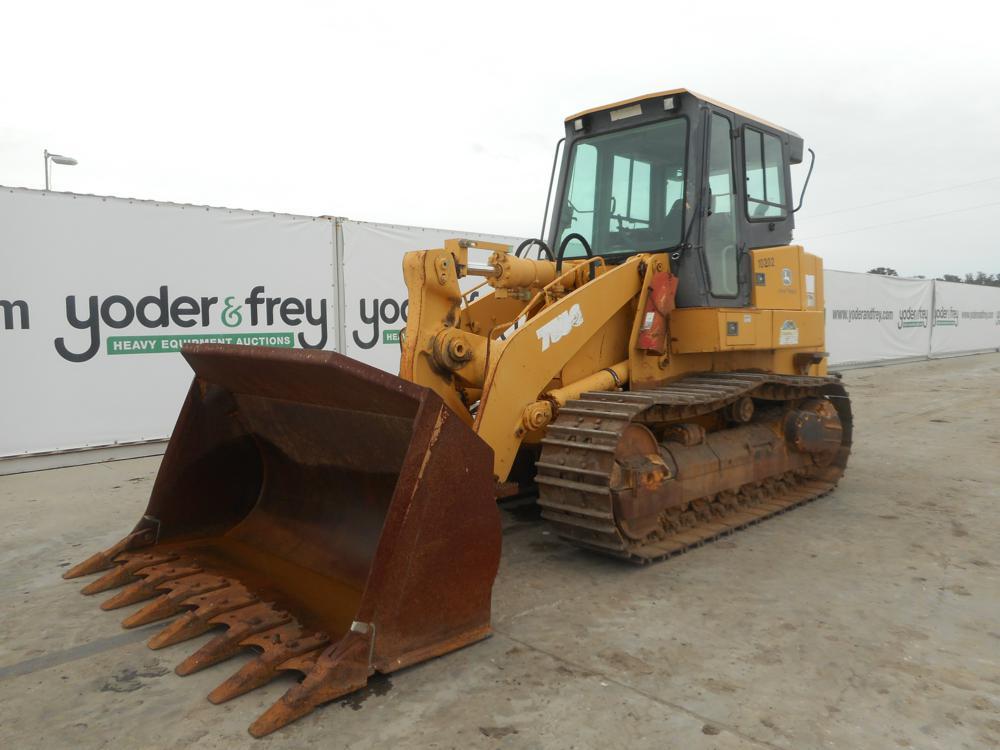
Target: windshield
point(625, 191)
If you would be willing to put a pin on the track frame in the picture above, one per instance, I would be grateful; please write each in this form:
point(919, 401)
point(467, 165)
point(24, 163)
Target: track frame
point(578, 455)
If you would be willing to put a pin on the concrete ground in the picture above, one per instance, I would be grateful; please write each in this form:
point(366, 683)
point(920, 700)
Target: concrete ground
point(867, 619)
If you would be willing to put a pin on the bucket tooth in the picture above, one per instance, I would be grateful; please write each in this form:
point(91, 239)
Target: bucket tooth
point(340, 669)
point(152, 578)
point(277, 645)
point(240, 623)
point(125, 570)
point(173, 601)
point(103, 560)
point(206, 606)
point(302, 663)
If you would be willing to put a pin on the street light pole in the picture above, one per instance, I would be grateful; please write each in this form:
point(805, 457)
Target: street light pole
point(67, 161)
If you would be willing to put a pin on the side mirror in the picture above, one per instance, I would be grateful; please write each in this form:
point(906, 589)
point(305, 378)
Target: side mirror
point(802, 196)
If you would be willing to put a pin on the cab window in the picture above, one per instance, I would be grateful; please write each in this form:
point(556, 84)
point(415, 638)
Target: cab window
point(626, 190)
point(579, 212)
point(765, 176)
point(629, 193)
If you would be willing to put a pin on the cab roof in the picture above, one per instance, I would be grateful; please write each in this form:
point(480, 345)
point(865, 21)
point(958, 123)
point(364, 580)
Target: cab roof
point(677, 92)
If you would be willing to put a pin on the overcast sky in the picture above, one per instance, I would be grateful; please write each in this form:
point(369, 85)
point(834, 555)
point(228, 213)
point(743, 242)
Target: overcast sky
point(446, 115)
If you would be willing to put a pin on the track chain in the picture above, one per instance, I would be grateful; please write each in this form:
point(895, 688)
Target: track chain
point(578, 454)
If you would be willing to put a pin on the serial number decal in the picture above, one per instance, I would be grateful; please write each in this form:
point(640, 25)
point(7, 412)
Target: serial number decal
point(559, 326)
point(789, 334)
point(765, 263)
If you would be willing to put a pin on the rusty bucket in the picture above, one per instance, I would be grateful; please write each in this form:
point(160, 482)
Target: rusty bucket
point(333, 518)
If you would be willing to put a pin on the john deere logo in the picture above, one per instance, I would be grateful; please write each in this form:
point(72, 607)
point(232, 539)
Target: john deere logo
point(786, 276)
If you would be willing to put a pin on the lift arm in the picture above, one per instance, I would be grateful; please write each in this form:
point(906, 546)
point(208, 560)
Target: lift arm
point(500, 379)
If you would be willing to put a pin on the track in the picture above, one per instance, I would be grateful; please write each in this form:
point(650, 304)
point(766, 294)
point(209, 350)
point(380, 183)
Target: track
point(578, 455)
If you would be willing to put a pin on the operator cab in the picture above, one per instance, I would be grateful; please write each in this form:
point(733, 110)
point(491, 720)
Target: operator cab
point(680, 173)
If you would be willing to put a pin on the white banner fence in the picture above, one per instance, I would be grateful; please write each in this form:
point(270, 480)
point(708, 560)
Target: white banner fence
point(872, 319)
point(966, 318)
point(97, 294)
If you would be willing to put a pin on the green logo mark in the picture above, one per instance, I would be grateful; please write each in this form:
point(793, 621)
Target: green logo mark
point(231, 316)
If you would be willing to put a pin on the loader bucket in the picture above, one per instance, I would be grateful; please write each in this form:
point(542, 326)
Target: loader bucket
point(333, 518)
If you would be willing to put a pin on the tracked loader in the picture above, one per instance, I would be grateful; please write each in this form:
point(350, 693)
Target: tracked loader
point(654, 366)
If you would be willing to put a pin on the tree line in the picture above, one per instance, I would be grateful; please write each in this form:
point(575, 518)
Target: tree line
point(980, 278)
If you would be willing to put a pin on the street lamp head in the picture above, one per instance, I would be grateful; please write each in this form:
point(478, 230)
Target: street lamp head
point(68, 161)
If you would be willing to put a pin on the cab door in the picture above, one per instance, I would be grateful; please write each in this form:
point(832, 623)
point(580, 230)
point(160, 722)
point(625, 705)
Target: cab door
point(721, 247)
